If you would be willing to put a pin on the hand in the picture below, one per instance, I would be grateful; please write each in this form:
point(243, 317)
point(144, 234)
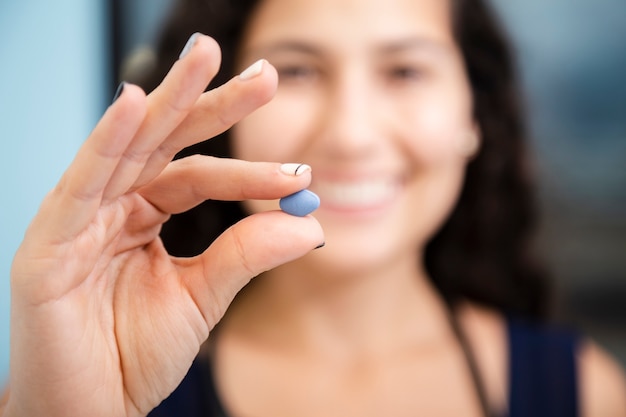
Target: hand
point(104, 322)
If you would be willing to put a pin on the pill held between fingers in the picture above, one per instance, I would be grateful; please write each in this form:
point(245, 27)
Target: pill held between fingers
point(300, 203)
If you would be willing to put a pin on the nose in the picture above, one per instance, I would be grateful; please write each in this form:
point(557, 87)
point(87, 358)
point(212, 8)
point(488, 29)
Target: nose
point(351, 126)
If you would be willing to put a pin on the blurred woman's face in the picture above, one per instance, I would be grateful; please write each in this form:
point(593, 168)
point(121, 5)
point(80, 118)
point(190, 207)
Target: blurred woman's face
point(373, 95)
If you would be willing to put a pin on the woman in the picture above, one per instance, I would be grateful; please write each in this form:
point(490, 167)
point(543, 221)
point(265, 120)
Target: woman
point(406, 112)
point(480, 253)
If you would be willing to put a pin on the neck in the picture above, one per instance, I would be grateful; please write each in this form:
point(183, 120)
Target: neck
point(368, 311)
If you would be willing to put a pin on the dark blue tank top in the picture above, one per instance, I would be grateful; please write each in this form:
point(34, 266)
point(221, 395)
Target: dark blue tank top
point(542, 372)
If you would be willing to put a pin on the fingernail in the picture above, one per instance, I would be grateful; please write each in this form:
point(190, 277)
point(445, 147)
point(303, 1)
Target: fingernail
point(252, 71)
point(320, 246)
point(190, 43)
point(118, 92)
point(294, 169)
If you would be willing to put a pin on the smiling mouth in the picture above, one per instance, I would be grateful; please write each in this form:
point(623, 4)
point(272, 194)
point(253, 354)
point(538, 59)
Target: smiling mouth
point(356, 195)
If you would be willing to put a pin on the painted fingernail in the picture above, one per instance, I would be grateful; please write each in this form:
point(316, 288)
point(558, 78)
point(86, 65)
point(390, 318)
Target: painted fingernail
point(252, 71)
point(294, 169)
point(118, 92)
point(190, 43)
point(300, 203)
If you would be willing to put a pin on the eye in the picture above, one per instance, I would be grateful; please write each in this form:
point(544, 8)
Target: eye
point(297, 73)
point(404, 73)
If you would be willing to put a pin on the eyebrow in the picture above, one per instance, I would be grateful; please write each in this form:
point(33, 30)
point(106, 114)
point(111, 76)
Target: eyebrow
point(391, 47)
point(302, 47)
point(413, 43)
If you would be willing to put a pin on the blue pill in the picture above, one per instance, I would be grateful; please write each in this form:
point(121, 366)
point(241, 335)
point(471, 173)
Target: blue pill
point(300, 204)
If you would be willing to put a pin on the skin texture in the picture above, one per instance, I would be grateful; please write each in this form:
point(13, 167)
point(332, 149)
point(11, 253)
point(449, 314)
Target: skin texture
point(371, 94)
point(104, 321)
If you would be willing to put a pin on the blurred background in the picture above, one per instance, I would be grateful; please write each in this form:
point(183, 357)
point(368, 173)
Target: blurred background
point(62, 60)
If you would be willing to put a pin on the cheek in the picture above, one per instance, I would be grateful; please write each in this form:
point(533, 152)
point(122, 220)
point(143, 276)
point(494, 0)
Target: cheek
point(437, 124)
point(274, 133)
point(254, 138)
point(432, 140)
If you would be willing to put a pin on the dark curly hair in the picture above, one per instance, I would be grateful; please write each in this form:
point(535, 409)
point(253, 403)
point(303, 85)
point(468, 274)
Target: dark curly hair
point(483, 252)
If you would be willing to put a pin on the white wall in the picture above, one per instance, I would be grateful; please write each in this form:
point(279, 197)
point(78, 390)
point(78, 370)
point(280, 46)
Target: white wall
point(53, 87)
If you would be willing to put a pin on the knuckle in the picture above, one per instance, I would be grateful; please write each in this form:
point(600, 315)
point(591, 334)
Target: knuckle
point(242, 253)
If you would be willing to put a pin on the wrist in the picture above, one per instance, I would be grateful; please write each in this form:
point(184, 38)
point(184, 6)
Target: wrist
point(4, 403)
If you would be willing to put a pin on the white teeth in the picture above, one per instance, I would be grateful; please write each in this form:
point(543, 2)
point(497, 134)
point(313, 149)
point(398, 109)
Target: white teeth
point(355, 194)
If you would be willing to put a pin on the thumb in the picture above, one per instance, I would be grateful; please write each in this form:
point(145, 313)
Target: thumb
point(254, 245)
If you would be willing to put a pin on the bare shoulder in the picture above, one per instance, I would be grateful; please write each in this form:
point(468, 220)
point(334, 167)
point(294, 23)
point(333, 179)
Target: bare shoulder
point(602, 382)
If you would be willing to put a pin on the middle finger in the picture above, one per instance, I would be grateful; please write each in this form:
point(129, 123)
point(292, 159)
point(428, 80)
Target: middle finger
point(214, 112)
point(167, 105)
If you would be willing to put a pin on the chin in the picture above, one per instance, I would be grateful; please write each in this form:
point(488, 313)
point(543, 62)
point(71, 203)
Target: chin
point(359, 254)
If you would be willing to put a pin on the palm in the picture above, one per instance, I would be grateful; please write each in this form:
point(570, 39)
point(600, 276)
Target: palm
point(140, 322)
point(129, 326)
point(104, 321)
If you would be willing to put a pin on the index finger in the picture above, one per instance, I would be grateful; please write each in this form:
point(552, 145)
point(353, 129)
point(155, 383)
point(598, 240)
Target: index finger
point(187, 182)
